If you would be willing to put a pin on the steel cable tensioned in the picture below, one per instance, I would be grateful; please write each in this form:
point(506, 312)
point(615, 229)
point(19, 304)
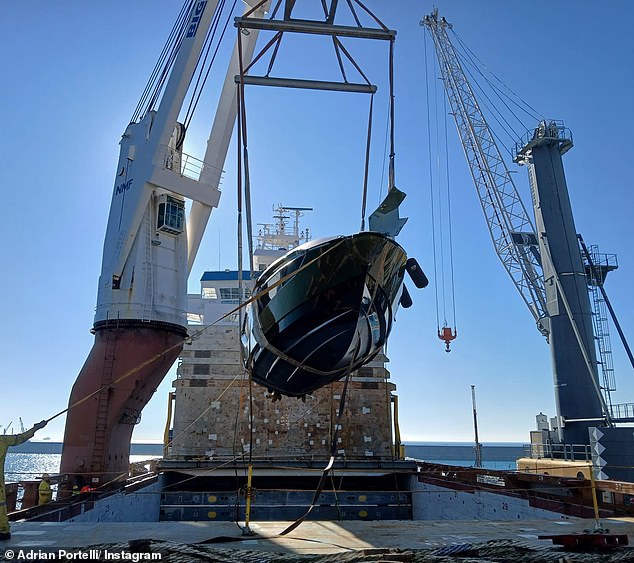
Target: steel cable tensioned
point(243, 169)
point(511, 133)
point(203, 66)
point(514, 98)
point(432, 205)
point(473, 66)
point(161, 71)
point(449, 217)
point(440, 208)
point(500, 201)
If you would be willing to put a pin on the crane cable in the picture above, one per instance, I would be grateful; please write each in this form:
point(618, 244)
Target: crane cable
point(167, 58)
point(449, 218)
point(243, 167)
point(432, 205)
point(513, 98)
point(506, 96)
point(443, 272)
point(164, 62)
point(203, 66)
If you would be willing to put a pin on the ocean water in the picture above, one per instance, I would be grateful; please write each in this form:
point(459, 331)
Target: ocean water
point(30, 466)
point(495, 455)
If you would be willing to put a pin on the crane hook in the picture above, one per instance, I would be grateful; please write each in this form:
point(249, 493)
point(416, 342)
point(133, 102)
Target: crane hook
point(446, 335)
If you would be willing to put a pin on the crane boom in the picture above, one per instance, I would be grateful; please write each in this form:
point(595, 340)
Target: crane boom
point(509, 224)
point(150, 245)
point(546, 269)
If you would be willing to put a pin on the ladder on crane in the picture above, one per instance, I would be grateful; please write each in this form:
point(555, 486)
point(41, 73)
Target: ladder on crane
point(598, 265)
point(602, 264)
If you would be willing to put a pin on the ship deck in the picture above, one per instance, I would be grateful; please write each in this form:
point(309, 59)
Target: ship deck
point(187, 539)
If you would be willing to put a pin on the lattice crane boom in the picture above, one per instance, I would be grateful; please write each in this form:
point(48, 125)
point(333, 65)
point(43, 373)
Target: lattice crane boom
point(509, 225)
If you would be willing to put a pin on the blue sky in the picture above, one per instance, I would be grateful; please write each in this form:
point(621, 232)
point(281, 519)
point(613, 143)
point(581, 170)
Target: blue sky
point(72, 73)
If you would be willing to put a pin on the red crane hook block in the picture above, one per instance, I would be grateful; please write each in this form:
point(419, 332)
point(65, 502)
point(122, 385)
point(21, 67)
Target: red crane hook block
point(446, 335)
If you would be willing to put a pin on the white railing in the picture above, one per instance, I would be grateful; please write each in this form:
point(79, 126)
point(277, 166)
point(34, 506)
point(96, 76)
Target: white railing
point(189, 166)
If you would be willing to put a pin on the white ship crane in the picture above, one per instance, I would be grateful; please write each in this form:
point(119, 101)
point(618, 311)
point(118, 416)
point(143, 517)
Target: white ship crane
point(150, 246)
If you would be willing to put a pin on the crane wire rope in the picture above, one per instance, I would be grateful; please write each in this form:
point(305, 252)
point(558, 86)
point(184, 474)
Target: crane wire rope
point(391, 179)
point(432, 205)
point(514, 97)
point(440, 204)
point(449, 216)
point(471, 63)
point(243, 167)
point(166, 60)
point(163, 77)
point(383, 164)
point(364, 197)
point(238, 419)
point(203, 66)
point(155, 83)
point(485, 102)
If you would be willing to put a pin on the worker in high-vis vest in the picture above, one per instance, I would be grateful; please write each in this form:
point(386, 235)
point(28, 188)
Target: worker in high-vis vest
point(45, 493)
point(6, 441)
